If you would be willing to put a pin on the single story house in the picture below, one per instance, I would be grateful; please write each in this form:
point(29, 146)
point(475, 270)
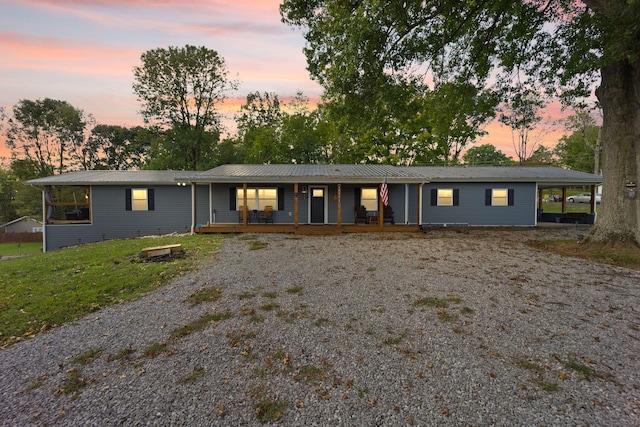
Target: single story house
point(23, 224)
point(88, 206)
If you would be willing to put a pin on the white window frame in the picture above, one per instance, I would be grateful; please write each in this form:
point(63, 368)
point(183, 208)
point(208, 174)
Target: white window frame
point(499, 199)
point(371, 204)
point(138, 202)
point(254, 201)
point(444, 199)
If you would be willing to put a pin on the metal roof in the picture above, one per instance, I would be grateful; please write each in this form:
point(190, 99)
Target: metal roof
point(546, 175)
point(338, 173)
point(128, 177)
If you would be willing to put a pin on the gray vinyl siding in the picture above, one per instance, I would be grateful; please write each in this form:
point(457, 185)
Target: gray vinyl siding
point(472, 209)
point(111, 220)
point(412, 216)
point(396, 201)
point(224, 214)
point(284, 215)
point(202, 202)
point(348, 203)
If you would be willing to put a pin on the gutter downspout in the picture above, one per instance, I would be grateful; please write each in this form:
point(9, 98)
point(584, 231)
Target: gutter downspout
point(44, 217)
point(44, 222)
point(420, 190)
point(212, 213)
point(194, 207)
point(339, 205)
point(406, 203)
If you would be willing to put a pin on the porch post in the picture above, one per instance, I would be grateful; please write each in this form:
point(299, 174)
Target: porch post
point(419, 219)
point(295, 205)
point(593, 199)
point(245, 209)
point(87, 199)
point(380, 209)
point(564, 199)
point(339, 205)
point(540, 199)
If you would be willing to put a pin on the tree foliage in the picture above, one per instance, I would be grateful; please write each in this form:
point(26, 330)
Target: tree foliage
point(113, 147)
point(3, 115)
point(572, 152)
point(541, 156)
point(273, 132)
point(562, 46)
point(7, 195)
point(180, 90)
point(584, 124)
point(49, 133)
point(406, 122)
point(368, 57)
point(521, 113)
point(486, 155)
point(259, 129)
point(24, 200)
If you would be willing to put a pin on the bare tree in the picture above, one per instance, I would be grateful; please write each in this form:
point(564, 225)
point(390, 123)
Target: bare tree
point(521, 113)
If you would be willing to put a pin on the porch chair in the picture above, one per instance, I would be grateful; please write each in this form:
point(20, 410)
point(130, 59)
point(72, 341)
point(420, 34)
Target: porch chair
point(267, 215)
point(361, 215)
point(387, 213)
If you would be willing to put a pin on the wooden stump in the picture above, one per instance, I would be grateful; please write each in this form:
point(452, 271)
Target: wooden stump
point(161, 251)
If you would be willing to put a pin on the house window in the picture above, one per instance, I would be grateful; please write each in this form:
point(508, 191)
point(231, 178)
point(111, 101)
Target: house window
point(445, 197)
point(499, 197)
point(257, 198)
point(139, 199)
point(369, 198)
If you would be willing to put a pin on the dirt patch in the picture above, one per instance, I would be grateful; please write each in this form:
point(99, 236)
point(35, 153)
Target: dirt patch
point(615, 253)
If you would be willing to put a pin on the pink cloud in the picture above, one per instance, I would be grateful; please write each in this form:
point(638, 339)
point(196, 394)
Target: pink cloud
point(189, 4)
point(231, 29)
point(243, 10)
point(48, 53)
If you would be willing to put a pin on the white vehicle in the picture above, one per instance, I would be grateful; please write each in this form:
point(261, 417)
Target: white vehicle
point(583, 198)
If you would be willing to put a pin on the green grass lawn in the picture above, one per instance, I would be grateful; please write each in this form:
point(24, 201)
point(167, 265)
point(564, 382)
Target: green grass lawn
point(556, 207)
point(11, 249)
point(48, 289)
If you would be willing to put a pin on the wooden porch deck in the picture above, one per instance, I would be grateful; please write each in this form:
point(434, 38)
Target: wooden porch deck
point(319, 229)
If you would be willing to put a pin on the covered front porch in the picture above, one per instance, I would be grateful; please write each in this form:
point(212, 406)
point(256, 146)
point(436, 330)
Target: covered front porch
point(332, 199)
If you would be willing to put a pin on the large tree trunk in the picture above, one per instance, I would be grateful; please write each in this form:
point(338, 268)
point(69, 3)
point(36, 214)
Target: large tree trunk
point(619, 94)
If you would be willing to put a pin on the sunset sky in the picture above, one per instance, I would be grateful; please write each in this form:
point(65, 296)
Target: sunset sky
point(84, 51)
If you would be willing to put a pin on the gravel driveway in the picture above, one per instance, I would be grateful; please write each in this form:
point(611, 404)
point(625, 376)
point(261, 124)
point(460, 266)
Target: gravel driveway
point(462, 328)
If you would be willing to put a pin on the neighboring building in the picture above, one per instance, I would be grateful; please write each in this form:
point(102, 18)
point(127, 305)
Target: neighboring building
point(98, 205)
point(24, 224)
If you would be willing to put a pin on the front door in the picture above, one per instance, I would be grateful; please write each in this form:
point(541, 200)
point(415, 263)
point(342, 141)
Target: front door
point(317, 205)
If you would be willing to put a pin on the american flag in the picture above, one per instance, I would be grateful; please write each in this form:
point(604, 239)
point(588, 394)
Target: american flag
point(384, 193)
